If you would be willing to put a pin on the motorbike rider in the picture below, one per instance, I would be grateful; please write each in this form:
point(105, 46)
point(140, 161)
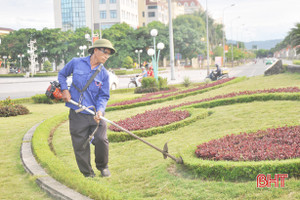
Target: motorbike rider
point(143, 74)
point(218, 71)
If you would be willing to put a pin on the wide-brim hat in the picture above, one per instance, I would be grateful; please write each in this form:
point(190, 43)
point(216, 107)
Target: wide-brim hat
point(104, 43)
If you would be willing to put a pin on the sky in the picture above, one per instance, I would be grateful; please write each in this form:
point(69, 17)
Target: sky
point(247, 20)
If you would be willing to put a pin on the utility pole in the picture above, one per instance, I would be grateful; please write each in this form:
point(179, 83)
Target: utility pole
point(171, 41)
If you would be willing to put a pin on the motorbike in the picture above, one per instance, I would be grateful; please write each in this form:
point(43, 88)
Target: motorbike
point(213, 75)
point(134, 82)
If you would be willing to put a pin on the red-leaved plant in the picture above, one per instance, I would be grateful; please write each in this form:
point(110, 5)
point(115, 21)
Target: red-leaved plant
point(271, 144)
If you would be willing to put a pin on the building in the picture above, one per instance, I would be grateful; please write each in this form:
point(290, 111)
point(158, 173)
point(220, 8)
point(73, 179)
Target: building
point(190, 6)
point(142, 13)
point(5, 31)
point(73, 14)
point(157, 10)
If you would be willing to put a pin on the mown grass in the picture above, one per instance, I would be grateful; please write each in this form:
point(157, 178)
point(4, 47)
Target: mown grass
point(15, 182)
point(139, 172)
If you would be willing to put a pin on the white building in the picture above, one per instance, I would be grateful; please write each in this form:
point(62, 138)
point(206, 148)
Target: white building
point(190, 6)
point(72, 14)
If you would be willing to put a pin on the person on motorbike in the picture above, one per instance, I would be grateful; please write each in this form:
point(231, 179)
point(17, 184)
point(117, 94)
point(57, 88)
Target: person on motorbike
point(218, 71)
point(143, 74)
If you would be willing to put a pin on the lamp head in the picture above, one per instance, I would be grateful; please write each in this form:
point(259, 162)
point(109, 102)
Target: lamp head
point(154, 32)
point(150, 52)
point(160, 46)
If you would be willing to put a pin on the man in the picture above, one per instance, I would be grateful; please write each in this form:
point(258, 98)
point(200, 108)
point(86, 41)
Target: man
point(143, 74)
point(96, 95)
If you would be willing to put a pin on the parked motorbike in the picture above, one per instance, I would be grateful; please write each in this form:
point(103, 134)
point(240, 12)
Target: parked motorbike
point(134, 82)
point(213, 76)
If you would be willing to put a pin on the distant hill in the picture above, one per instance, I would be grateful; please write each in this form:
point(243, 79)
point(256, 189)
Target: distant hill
point(268, 44)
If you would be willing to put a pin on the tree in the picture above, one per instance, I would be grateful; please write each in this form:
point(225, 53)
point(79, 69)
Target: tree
point(188, 33)
point(121, 36)
point(127, 63)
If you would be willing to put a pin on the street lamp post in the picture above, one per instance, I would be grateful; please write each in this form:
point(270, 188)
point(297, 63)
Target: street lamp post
point(4, 57)
point(207, 39)
point(152, 52)
point(232, 40)
point(82, 48)
point(139, 56)
point(224, 58)
point(21, 56)
point(171, 41)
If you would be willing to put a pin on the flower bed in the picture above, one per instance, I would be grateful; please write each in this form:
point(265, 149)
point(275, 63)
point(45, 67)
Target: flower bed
point(169, 93)
point(152, 118)
point(164, 116)
point(280, 143)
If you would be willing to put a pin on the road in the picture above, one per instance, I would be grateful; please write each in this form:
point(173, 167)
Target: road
point(27, 87)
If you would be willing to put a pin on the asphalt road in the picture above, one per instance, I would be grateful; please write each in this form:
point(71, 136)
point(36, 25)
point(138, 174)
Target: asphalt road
point(27, 87)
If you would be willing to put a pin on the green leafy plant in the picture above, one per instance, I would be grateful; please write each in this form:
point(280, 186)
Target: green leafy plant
point(162, 83)
point(8, 108)
point(186, 81)
point(47, 66)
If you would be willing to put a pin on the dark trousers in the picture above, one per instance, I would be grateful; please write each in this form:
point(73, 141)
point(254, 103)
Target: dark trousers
point(81, 126)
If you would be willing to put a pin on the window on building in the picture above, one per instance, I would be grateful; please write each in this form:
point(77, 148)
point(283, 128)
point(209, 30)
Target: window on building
point(102, 2)
point(143, 14)
point(192, 4)
point(112, 1)
point(151, 14)
point(152, 7)
point(103, 14)
point(113, 14)
point(186, 4)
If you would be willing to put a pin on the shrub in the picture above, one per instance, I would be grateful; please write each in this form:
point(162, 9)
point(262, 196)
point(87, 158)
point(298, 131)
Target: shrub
point(41, 98)
point(162, 83)
point(139, 90)
point(186, 81)
point(149, 82)
point(7, 102)
point(296, 62)
point(12, 110)
point(47, 66)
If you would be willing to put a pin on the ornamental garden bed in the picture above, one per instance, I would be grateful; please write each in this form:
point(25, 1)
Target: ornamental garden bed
point(148, 100)
point(272, 144)
point(139, 172)
point(164, 116)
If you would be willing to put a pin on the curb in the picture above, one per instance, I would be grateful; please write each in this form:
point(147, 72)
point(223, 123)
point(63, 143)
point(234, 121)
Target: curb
point(54, 188)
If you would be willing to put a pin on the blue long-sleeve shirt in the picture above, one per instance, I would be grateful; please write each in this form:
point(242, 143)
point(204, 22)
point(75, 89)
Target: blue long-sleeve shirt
point(97, 94)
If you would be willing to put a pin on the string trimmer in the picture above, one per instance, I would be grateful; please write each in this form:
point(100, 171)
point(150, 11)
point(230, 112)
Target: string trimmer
point(164, 151)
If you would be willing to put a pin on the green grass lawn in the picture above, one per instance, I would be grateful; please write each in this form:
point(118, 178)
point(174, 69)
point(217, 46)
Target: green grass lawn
point(139, 172)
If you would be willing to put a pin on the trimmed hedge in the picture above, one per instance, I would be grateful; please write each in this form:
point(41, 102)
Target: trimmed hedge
point(57, 168)
point(123, 136)
point(247, 99)
point(231, 170)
